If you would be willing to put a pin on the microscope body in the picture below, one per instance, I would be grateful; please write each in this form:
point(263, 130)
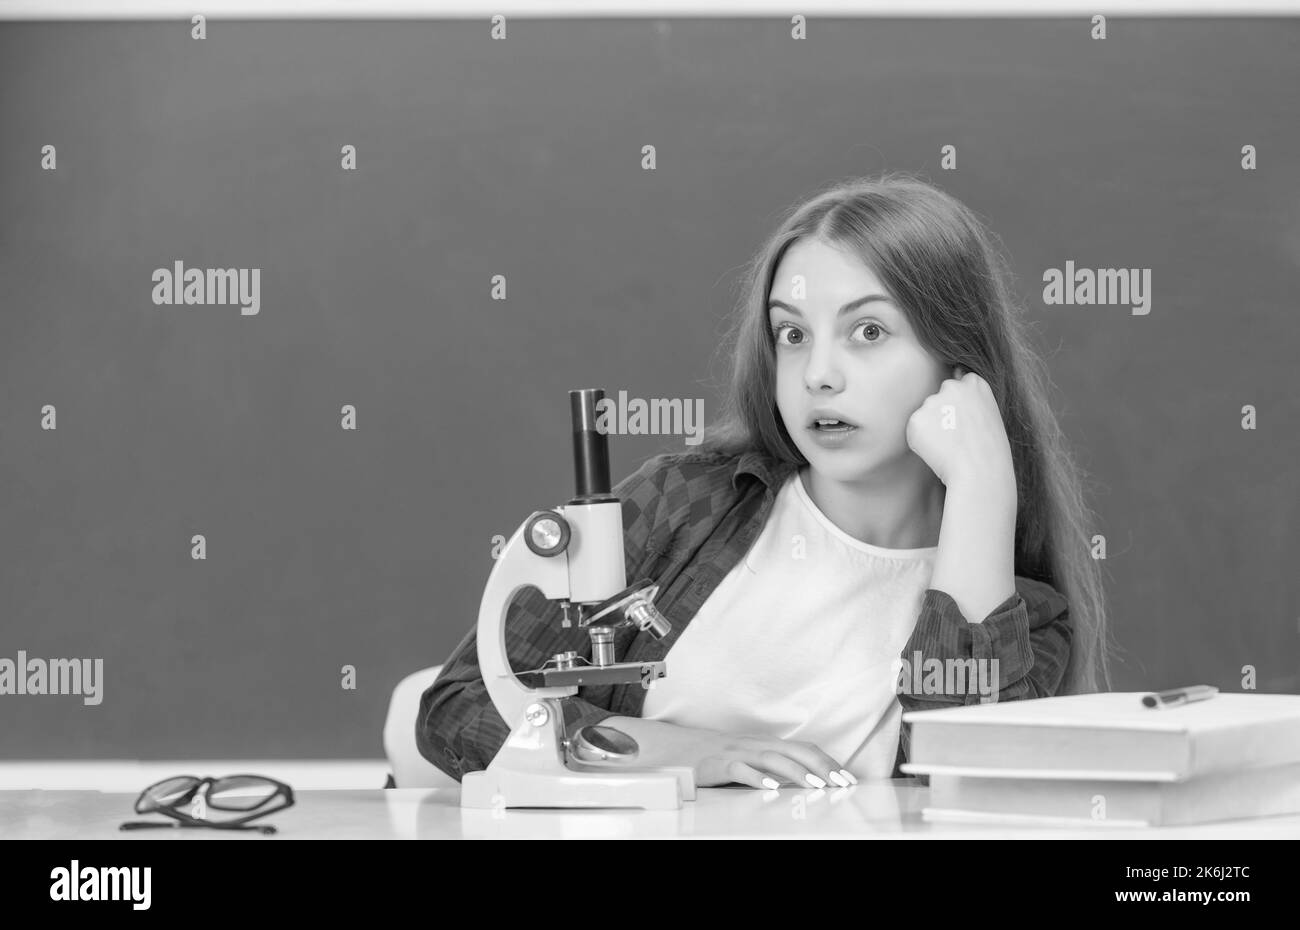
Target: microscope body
point(574, 555)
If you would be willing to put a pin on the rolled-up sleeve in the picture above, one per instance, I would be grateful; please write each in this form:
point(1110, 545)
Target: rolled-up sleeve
point(1028, 634)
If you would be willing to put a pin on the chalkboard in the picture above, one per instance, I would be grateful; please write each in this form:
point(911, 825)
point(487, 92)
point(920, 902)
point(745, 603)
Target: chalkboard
point(369, 547)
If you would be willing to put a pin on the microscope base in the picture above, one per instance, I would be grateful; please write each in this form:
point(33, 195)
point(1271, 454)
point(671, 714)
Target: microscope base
point(532, 769)
point(684, 773)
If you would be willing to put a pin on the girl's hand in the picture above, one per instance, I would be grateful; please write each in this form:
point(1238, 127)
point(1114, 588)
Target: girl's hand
point(958, 432)
point(761, 762)
point(719, 758)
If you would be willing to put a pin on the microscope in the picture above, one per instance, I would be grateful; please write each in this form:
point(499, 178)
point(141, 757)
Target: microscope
point(574, 555)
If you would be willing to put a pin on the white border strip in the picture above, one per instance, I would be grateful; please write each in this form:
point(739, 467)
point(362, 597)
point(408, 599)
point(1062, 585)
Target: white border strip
point(659, 9)
point(126, 775)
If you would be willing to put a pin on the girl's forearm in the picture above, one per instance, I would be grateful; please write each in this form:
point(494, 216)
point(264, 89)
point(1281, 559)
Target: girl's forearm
point(975, 565)
point(663, 743)
point(638, 727)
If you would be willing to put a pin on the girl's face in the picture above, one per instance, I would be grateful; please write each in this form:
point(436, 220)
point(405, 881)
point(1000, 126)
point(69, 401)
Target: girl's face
point(842, 344)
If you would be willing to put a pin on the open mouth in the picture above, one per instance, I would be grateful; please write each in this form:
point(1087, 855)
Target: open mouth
point(831, 426)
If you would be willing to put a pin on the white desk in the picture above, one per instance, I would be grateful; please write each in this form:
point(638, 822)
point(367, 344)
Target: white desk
point(870, 810)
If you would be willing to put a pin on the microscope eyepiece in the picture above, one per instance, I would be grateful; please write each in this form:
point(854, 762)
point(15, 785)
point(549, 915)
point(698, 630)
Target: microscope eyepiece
point(590, 448)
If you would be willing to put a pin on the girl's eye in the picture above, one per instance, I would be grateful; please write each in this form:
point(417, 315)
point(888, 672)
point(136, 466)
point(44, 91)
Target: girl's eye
point(870, 326)
point(866, 325)
point(781, 327)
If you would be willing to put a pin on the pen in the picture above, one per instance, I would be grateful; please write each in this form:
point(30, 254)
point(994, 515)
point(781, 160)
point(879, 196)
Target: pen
point(1176, 696)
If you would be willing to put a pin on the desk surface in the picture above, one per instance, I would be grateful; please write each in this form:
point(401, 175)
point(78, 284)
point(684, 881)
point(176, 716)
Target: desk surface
point(870, 810)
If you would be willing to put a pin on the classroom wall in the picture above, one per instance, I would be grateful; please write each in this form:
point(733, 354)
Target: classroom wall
point(327, 547)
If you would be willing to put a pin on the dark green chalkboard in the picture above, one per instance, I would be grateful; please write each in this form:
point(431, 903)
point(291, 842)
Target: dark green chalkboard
point(369, 548)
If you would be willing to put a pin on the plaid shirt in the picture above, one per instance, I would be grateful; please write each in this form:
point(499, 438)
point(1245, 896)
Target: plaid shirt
point(688, 519)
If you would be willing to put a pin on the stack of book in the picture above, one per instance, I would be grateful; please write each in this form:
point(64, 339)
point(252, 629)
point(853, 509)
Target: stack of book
point(1108, 760)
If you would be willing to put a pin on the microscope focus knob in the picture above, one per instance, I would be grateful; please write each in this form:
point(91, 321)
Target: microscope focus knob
point(546, 533)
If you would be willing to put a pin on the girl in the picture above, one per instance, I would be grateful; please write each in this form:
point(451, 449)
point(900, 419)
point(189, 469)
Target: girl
point(887, 486)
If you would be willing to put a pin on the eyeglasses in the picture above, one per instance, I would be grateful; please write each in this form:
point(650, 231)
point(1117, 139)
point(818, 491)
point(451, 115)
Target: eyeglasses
point(235, 799)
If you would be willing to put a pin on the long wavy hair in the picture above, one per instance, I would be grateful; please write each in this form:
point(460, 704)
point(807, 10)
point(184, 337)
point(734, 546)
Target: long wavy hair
point(943, 267)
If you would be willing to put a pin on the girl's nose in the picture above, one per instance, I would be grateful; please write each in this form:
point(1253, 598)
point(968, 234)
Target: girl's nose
point(823, 370)
point(820, 377)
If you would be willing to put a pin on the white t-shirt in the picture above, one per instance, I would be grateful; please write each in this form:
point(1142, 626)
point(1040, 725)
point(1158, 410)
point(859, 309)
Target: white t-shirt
point(799, 640)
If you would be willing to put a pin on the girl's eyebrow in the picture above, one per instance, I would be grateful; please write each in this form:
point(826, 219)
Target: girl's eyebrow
point(848, 307)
